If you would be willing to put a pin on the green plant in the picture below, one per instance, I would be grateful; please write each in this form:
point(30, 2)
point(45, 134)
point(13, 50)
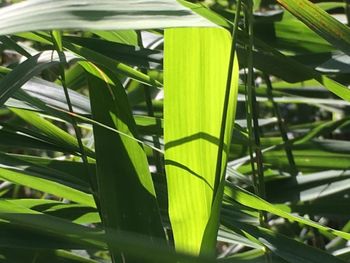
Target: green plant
point(170, 131)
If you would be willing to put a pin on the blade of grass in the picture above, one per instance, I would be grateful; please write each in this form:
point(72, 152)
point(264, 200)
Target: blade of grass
point(22, 73)
point(284, 246)
point(248, 199)
point(53, 132)
point(320, 21)
point(102, 15)
point(148, 98)
point(226, 129)
point(196, 65)
point(135, 55)
point(75, 213)
point(33, 180)
point(126, 191)
point(136, 245)
point(57, 41)
point(281, 126)
point(271, 61)
point(252, 113)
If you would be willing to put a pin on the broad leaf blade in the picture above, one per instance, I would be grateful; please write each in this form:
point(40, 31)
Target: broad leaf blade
point(196, 62)
point(126, 190)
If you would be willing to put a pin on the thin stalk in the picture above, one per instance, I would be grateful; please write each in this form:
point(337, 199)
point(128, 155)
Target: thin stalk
point(347, 10)
point(258, 152)
point(249, 120)
point(252, 104)
point(250, 137)
point(226, 99)
point(281, 127)
point(150, 112)
point(63, 63)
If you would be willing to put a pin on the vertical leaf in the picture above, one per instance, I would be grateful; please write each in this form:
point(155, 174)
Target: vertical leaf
point(126, 191)
point(196, 65)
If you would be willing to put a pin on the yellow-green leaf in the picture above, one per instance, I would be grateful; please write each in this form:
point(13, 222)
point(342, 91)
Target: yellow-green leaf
point(195, 74)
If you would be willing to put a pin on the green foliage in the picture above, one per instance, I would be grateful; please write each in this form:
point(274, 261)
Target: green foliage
point(191, 184)
point(174, 131)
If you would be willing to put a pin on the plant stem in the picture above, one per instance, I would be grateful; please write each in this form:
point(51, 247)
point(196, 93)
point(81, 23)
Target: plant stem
point(148, 98)
point(250, 137)
point(63, 62)
point(226, 99)
point(281, 127)
point(252, 114)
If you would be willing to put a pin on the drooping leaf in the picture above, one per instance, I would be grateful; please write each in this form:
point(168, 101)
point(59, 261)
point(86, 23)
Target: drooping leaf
point(248, 199)
point(54, 133)
point(322, 23)
point(308, 187)
point(21, 74)
point(76, 213)
point(102, 15)
point(273, 62)
point(35, 181)
point(286, 248)
point(128, 37)
point(131, 55)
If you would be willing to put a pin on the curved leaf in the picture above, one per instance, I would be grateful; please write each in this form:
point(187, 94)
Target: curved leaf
point(102, 15)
